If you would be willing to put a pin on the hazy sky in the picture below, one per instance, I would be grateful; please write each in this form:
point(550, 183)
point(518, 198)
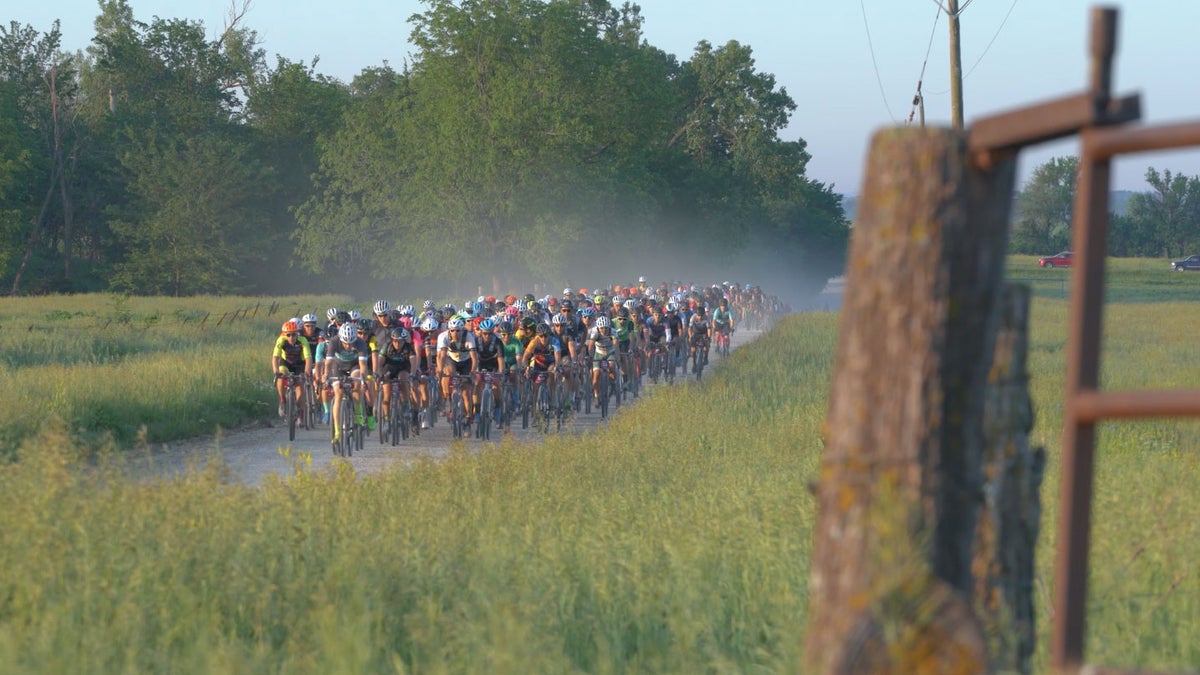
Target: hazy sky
point(817, 49)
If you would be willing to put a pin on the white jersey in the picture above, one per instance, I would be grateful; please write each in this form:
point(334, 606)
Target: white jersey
point(458, 351)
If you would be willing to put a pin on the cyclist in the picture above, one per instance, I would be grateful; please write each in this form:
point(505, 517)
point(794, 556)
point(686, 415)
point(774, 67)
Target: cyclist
point(624, 328)
point(543, 353)
point(456, 355)
point(698, 329)
point(677, 335)
point(397, 360)
point(602, 344)
point(656, 331)
point(366, 333)
point(347, 357)
point(491, 356)
point(425, 339)
point(309, 330)
point(513, 352)
point(569, 348)
point(291, 356)
point(723, 319)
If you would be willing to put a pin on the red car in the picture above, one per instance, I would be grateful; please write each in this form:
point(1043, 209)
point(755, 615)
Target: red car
point(1061, 260)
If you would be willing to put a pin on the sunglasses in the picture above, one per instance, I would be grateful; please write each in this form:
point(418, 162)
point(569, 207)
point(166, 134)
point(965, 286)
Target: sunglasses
point(290, 334)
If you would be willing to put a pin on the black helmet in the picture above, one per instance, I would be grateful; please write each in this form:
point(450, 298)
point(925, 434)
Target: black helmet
point(568, 305)
point(543, 329)
point(342, 317)
point(398, 333)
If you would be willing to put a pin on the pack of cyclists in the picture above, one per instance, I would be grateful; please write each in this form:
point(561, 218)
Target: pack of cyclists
point(569, 338)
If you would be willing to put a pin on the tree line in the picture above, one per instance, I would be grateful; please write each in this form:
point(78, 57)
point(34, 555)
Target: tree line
point(523, 140)
point(1161, 222)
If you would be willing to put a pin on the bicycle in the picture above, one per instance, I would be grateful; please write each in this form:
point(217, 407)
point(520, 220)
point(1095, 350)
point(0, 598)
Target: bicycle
point(394, 423)
point(658, 362)
point(291, 406)
point(608, 386)
point(487, 405)
point(460, 418)
point(723, 335)
point(348, 433)
point(312, 404)
point(539, 408)
point(699, 356)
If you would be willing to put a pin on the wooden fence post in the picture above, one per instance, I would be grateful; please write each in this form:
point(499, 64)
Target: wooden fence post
point(1009, 521)
point(904, 435)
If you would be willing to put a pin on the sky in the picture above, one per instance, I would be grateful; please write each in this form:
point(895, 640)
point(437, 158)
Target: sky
point(852, 66)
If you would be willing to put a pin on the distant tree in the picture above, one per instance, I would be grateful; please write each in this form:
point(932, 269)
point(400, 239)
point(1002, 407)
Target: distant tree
point(1044, 208)
point(197, 220)
point(41, 84)
point(1168, 215)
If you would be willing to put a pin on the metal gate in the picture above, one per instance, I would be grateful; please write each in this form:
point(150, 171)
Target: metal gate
point(1097, 117)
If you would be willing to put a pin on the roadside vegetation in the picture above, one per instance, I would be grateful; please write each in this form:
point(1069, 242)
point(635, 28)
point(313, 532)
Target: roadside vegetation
point(676, 540)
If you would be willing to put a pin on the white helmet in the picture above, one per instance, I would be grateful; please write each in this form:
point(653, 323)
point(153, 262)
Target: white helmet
point(355, 315)
point(429, 324)
point(568, 291)
point(641, 280)
point(602, 322)
point(428, 304)
point(348, 332)
point(331, 313)
point(406, 310)
point(559, 320)
point(309, 318)
point(382, 307)
point(456, 323)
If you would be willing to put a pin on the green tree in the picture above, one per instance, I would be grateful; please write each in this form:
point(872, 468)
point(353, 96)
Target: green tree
point(1169, 214)
point(42, 90)
point(1044, 207)
point(196, 222)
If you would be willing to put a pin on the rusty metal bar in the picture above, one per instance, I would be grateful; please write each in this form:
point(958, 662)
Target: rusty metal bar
point(1093, 406)
point(1106, 143)
point(1049, 121)
point(1090, 234)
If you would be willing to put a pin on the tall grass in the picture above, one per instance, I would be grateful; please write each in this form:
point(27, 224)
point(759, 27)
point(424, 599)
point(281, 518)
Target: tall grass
point(675, 541)
point(133, 368)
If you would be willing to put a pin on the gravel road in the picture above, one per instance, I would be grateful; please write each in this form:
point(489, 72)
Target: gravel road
point(256, 452)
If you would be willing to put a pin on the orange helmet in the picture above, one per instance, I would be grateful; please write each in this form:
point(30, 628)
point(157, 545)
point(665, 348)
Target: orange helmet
point(290, 327)
point(510, 299)
point(490, 298)
point(583, 291)
point(617, 289)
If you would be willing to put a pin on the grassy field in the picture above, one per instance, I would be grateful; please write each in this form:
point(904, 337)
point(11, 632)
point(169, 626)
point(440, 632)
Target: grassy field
point(676, 541)
point(137, 369)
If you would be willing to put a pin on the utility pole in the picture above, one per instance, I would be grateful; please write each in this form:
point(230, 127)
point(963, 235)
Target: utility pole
point(956, 100)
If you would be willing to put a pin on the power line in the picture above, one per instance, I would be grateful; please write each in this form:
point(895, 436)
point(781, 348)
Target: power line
point(874, 63)
point(985, 49)
point(921, 77)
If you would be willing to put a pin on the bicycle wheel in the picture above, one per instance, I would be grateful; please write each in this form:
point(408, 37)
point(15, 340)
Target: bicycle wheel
point(526, 394)
point(434, 396)
point(618, 387)
point(347, 425)
point(585, 389)
point(602, 393)
point(487, 406)
point(458, 414)
point(381, 416)
point(312, 405)
point(542, 407)
point(289, 398)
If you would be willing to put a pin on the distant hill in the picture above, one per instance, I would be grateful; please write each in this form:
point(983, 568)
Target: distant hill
point(1118, 203)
